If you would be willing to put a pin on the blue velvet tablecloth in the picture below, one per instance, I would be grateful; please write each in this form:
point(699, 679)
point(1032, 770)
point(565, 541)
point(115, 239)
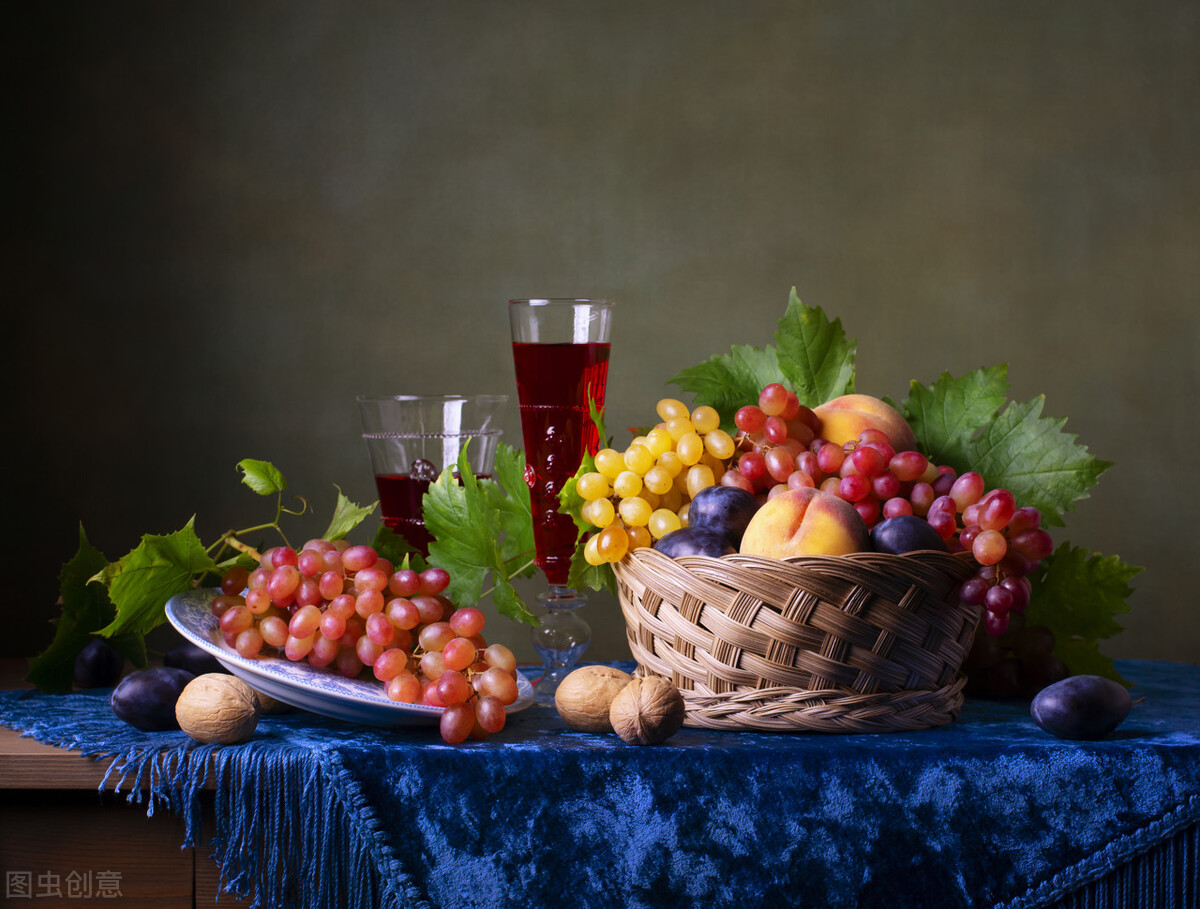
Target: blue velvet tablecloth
point(989, 811)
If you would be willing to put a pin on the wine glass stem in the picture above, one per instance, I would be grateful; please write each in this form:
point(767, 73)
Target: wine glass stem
point(560, 640)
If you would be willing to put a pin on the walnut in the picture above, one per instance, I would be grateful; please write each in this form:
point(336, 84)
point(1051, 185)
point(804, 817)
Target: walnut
point(217, 708)
point(584, 696)
point(647, 711)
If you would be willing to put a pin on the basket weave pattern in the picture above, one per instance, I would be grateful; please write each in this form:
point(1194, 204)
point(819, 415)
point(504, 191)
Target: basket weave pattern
point(860, 643)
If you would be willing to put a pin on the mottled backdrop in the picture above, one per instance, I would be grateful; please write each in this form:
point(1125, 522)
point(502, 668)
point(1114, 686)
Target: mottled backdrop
point(225, 220)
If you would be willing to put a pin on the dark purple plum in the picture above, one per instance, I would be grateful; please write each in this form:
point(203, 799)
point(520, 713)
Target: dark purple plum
point(146, 698)
point(1081, 707)
point(98, 665)
point(724, 509)
point(694, 541)
point(192, 657)
point(905, 533)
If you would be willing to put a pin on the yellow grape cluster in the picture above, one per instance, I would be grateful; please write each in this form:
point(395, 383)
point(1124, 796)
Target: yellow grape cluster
point(640, 495)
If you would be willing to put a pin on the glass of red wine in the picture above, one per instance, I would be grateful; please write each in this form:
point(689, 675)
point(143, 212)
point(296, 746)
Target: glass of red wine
point(560, 354)
point(412, 438)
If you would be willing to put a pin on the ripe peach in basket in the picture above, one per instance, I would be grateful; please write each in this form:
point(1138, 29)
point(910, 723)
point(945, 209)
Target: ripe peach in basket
point(845, 418)
point(805, 521)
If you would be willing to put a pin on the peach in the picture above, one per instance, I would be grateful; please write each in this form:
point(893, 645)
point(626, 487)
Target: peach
point(845, 418)
point(805, 521)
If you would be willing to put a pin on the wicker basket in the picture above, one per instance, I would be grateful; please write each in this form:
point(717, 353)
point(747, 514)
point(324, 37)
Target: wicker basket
point(859, 643)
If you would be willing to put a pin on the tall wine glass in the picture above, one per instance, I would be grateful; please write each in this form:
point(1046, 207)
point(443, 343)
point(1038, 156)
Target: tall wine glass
point(560, 352)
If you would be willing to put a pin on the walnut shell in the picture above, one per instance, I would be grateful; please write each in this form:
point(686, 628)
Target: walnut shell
point(217, 708)
point(584, 696)
point(647, 711)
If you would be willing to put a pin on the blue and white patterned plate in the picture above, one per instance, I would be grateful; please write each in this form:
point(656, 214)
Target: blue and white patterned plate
point(301, 685)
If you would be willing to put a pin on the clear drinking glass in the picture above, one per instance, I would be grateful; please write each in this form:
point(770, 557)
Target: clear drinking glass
point(412, 438)
point(560, 355)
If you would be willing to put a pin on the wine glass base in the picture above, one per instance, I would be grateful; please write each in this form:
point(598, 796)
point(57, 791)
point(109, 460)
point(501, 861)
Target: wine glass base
point(560, 640)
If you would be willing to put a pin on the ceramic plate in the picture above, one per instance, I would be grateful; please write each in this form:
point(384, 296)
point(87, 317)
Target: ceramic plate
point(301, 685)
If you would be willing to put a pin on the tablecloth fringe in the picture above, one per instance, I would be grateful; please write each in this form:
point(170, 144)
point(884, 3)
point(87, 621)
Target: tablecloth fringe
point(1156, 867)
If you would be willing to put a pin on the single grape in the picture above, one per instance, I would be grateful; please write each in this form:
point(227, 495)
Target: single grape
point(998, 510)
point(435, 635)
point(453, 687)
point(359, 557)
point(458, 653)
point(283, 582)
point(456, 723)
point(501, 657)
point(490, 713)
point(989, 547)
point(671, 409)
point(750, 418)
point(404, 687)
point(773, 399)
point(498, 683)
point(908, 466)
point(235, 580)
point(404, 583)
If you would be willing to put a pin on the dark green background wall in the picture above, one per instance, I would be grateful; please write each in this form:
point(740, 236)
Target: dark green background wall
point(225, 220)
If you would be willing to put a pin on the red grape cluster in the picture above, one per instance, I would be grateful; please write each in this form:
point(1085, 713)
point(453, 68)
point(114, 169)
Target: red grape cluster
point(347, 608)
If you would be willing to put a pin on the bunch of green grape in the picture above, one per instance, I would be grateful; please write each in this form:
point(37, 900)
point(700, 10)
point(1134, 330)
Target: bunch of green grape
point(641, 494)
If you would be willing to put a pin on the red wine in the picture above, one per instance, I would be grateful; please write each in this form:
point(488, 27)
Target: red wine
point(554, 384)
point(400, 503)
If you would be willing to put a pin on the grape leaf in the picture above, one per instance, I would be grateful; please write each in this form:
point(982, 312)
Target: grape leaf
point(945, 416)
point(509, 497)
point(583, 575)
point(729, 381)
point(346, 516)
point(156, 570)
point(969, 424)
point(815, 357)
point(262, 476)
point(468, 527)
point(1030, 455)
point(397, 550)
point(1076, 594)
point(85, 609)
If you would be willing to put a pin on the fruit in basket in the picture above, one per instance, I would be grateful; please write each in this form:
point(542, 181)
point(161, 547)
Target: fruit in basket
point(695, 541)
point(647, 711)
point(905, 533)
point(146, 698)
point(1081, 707)
point(218, 709)
point(846, 417)
point(805, 521)
point(584, 697)
point(725, 510)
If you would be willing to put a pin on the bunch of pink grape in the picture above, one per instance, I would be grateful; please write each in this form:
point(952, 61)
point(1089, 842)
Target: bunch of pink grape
point(779, 448)
point(345, 608)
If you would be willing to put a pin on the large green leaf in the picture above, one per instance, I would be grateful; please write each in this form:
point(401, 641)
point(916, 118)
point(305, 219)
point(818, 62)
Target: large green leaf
point(158, 569)
point(1031, 456)
point(1077, 594)
point(85, 609)
point(815, 356)
point(946, 415)
point(468, 529)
